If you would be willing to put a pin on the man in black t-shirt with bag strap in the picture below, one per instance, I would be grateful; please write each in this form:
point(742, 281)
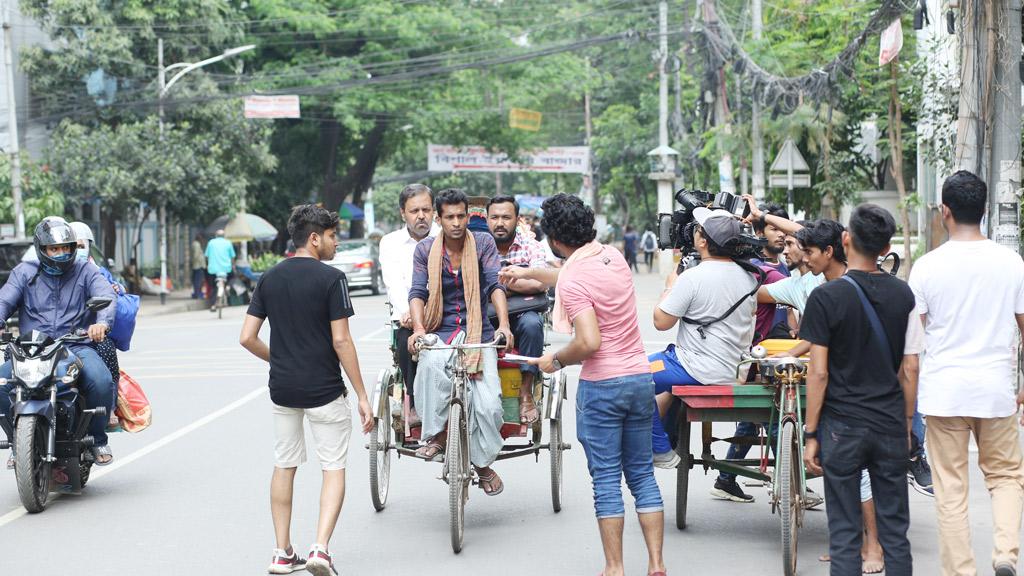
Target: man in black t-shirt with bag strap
point(862, 393)
point(308, 306)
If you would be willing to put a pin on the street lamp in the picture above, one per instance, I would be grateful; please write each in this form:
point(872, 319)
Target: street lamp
point(165, 85)
point(663, 170)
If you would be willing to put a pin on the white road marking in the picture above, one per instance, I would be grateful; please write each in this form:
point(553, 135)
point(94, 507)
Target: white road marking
point(98, 473)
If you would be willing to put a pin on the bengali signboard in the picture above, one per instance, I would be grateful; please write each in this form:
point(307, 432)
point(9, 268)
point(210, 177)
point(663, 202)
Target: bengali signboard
point(272, 107)
point(524, 119)
point(558, 160)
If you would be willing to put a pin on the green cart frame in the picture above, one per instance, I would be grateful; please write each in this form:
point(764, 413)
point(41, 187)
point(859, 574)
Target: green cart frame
point(777, 398)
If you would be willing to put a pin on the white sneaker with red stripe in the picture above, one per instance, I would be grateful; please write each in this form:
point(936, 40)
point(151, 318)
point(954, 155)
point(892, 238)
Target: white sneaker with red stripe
point(320, 562)
point(286, 562)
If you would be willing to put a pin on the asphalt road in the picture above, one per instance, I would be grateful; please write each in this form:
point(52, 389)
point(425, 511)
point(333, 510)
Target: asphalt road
point(190, 494)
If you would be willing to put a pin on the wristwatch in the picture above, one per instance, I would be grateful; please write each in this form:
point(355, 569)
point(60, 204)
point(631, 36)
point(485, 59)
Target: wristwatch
point(810, 434)
point(555, 362)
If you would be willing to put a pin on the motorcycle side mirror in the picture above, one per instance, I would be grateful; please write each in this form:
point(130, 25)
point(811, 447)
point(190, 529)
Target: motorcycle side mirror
point(98, 303)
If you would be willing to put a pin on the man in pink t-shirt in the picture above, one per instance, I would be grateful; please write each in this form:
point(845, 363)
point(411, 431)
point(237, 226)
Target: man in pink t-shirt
point(615, 397)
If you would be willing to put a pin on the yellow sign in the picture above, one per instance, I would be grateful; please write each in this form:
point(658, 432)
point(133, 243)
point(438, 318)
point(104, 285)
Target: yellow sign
point(524, 119)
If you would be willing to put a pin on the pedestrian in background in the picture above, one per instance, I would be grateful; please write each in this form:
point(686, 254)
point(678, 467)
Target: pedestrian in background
point(595, 299)
point(198, 267)
point(308, 306)
point(629, 245)
point(970, 294)
point(649, 243)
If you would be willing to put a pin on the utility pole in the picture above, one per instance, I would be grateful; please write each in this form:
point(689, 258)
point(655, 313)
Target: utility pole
point(162, 209)
point(664, 156)
point(725, 180)
point(590, 194)
point(1004, 176)
point(12, 127)
point(755, 115)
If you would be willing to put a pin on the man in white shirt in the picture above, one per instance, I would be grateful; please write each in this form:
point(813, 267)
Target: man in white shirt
point(970, 293)
point(416, 206)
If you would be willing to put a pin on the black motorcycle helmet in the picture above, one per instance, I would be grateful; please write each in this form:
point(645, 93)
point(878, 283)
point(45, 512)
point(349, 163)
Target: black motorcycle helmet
point(54, 231)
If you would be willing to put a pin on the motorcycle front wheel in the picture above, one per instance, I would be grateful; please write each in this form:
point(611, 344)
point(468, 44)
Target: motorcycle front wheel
point(30, 466)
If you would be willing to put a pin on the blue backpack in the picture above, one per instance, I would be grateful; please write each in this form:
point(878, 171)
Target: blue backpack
point(124, 320)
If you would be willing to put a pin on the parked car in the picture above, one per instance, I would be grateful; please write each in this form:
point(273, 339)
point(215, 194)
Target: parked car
point(359, 260)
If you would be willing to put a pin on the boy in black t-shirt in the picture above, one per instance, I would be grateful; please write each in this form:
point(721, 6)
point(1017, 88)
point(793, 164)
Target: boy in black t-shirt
point(861, 394)
point(308, 306)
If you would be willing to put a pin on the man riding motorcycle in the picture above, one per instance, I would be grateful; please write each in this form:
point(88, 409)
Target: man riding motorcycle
point(50, 296)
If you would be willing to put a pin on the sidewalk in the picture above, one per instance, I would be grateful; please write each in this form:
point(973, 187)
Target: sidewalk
point(177, 301)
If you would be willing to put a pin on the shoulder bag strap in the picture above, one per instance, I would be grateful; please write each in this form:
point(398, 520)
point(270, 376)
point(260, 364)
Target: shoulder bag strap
point(876, 324)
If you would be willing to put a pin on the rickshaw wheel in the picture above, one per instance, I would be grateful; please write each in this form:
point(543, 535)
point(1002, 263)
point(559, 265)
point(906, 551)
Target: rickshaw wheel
point(457, 463)
point(682, 471)
point(380, 447)
point(788, 476)
point(555, 449)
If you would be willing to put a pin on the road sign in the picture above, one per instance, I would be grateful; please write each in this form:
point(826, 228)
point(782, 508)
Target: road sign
point(782, 181)
point(789, 158)
point(272, 107)
point(524, 119)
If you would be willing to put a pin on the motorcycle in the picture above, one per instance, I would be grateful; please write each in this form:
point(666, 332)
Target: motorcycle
point(49, 420)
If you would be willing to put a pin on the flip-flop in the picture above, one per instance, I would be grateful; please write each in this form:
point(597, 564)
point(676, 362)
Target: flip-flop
point(98, 451)
point(528, 413)
point(431, 452)
point(490, 480)
point(874, 568)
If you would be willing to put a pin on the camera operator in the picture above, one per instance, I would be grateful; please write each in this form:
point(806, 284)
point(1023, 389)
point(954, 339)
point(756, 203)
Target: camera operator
point(715, 301)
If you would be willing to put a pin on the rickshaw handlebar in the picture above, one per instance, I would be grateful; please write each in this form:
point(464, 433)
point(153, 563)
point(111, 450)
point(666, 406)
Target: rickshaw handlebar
point(429, 342)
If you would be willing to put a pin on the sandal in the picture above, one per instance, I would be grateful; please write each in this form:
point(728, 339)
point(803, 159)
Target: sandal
point(431, 451)
point(492, 484)
point(528, 413)
point(103, 455)
point(10, 462)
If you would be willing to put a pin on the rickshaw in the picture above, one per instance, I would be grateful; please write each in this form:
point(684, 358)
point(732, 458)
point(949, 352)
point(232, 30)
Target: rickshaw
point(775, 399)
point(391, 434)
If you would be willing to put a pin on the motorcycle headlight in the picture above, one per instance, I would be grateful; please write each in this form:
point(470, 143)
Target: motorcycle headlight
point(31, 371)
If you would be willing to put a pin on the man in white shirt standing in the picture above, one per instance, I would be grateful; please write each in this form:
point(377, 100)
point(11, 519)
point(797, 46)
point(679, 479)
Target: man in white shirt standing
point(972, 311)
point(416, 206)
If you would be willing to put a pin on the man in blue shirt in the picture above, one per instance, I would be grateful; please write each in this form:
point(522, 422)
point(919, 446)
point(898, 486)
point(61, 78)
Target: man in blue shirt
point(50, 297)
point(220, 254)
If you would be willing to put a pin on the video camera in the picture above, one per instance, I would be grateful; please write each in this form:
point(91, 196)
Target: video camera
point(675, 230)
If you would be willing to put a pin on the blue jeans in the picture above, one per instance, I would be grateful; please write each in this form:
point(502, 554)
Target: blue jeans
point(918, 430)
point(613, 426)
point(96, 385)
point(198, 279)
point(667, 372)
point(846, 449)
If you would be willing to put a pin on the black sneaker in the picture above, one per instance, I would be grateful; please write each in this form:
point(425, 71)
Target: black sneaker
point(285, 562)
point(730, 490)
point(920, 475)
point(1006, 570)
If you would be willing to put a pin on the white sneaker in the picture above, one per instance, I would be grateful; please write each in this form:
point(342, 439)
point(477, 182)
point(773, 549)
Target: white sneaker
point(319, 562)
point(667, 460)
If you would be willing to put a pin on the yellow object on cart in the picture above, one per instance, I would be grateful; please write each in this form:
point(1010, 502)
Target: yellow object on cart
point(777, 346)
point(511, 381)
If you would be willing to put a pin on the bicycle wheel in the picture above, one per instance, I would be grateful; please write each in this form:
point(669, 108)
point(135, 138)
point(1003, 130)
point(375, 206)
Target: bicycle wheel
point(380, 446)
point(457, 463)
point(682, 472)
point(787, 474)
point(555, 449)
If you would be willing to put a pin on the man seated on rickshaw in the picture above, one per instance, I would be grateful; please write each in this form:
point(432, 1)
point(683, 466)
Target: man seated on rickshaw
point(516, 248)
point(711, 340)
point(454, 277)
point(416, 206)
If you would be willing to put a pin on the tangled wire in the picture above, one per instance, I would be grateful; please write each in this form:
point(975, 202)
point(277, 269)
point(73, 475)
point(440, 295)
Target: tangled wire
point(782, 94)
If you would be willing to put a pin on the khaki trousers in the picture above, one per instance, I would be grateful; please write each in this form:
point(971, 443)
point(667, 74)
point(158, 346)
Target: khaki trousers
point(999, 457)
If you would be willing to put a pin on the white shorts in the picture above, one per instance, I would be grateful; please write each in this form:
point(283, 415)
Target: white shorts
point(331, 425)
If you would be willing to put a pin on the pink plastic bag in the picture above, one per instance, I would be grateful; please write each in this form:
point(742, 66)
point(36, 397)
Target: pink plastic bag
point(133, 408)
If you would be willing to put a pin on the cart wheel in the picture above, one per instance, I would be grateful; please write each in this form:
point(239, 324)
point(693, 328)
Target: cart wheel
point(788, 477)
point(380, 447)
point(682, 471)
point(457, 462)
point(555, 449)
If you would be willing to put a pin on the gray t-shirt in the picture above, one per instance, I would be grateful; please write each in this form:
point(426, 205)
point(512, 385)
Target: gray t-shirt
point(704, 293)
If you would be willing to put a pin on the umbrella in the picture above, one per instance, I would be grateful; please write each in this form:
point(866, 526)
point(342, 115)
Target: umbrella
point(242, 227)
point(350, 211)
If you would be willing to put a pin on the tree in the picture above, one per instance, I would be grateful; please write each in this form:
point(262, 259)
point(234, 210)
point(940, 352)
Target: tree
point(40, 194)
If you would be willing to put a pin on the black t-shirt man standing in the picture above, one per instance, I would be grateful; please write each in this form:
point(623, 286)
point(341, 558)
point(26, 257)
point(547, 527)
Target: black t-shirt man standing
point(862, 393)
point(308, 306)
